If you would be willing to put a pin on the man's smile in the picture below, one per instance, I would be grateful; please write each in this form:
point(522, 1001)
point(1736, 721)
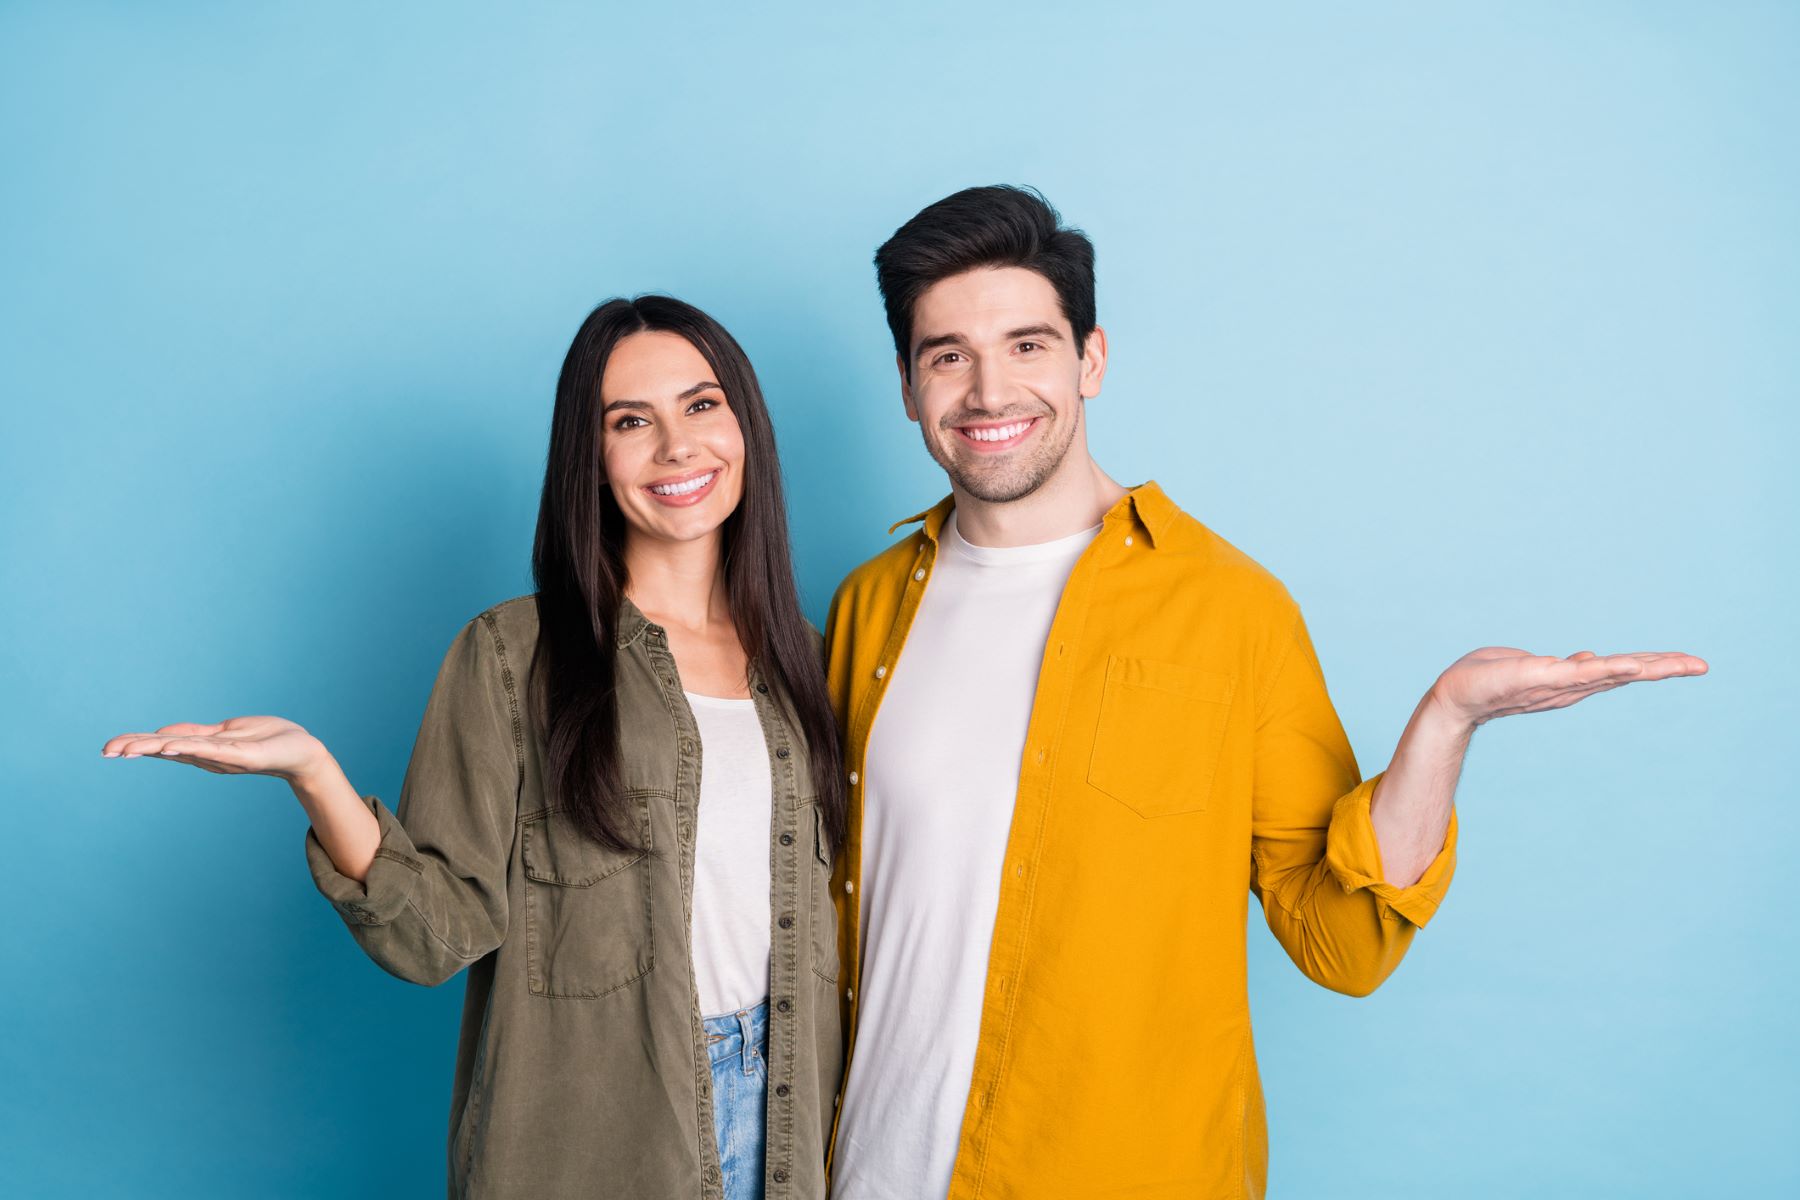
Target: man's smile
point(992, 437)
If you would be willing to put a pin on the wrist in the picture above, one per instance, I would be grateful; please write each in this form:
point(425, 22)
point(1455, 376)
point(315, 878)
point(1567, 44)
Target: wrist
point(1441, 713)
point(313, 771)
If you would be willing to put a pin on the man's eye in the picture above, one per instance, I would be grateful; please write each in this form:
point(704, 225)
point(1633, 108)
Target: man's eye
point(944, 359)
point(1028, 346)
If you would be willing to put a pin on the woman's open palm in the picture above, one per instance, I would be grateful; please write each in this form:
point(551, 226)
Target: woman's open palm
point(239, 746)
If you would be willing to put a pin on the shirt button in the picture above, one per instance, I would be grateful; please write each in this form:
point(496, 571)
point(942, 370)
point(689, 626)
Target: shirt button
point(1128, 539)
point(781, 752)
point(849, 993)
point(781, 1175)
point(783, 1006)
point(881, 672)
point(712, 1174)
point(853, 778)
point(919, 574)
point(687, 745)
point(786, 922)
point(787, 839)
point(782, 1089)
point(763, 688)
point(1040, 756)
point(849, 887)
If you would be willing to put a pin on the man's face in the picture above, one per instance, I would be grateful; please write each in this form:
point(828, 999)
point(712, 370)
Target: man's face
point(997, 384)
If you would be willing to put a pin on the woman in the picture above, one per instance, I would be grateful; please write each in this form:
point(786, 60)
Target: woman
point(650, 944)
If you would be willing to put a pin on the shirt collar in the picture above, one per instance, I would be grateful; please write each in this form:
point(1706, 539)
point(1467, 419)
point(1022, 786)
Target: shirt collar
point(1145, 505)
point(632, 623)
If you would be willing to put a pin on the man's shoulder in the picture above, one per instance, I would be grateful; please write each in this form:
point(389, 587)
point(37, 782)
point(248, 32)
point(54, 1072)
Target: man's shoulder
point(1190, 547)
point(884, 574)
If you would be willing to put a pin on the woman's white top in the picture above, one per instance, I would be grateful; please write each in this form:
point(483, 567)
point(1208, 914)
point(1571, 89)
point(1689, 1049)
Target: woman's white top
point(731, 857)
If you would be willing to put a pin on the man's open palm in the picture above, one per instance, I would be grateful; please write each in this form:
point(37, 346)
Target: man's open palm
point(1500, 681)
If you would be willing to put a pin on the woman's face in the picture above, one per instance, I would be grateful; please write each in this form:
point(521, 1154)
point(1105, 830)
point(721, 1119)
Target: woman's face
point(671, 447)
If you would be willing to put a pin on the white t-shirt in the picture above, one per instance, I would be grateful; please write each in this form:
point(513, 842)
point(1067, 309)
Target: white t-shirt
point(941, 775)
point(731, 857)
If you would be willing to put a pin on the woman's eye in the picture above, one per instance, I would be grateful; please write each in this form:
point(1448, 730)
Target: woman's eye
point(628, 422)
point(702, 405)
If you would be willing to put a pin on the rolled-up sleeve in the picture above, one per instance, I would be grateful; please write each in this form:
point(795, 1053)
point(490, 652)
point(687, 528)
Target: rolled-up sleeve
point(1315, 861)
point(434, 899)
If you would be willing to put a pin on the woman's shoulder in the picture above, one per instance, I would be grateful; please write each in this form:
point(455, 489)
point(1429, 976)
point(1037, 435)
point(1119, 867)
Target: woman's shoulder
point(513, 625)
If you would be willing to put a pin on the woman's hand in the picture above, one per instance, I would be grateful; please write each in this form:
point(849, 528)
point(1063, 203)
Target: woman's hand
point(240, 746)
point(272, 746)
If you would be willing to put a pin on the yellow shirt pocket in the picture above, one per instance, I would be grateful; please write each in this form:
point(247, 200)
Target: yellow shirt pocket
point(1160, 731)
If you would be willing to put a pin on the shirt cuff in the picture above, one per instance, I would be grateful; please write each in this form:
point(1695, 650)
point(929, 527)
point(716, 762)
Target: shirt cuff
point(1354, 857)
point(378, 898)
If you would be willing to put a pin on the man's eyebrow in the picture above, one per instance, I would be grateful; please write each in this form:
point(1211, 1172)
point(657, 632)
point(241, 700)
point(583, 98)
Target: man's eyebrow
point(704, 385)
point(938, 341)
point(1046, 333)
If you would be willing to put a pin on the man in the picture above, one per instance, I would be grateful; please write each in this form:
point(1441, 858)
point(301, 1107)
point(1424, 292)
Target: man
point(1080, 729)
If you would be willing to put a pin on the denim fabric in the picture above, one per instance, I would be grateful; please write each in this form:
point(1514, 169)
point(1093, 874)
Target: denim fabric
point(738, 1045)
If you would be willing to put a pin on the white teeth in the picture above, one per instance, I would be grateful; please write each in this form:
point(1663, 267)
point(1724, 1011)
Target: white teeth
point(1000, 434)
point(683, 488)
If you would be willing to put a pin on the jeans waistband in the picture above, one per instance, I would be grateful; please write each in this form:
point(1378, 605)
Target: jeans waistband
point(743, 1034)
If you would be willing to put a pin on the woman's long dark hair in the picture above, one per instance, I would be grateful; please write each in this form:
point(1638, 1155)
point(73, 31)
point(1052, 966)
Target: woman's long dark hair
point(578, 562)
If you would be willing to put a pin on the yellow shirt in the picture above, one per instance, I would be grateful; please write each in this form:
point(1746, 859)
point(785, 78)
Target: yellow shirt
point(1182, 753)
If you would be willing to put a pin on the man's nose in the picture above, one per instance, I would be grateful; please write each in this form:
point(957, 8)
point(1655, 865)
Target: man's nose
point(987, 389)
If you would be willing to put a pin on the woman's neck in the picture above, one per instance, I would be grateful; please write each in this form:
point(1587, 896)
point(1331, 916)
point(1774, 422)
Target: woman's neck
point(677, 583)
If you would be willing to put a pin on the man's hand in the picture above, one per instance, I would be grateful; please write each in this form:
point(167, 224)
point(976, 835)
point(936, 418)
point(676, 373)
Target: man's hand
point(1411, 806)
point(1499, 681)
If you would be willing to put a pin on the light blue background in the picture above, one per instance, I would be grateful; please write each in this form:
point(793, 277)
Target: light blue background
point(1476, 325)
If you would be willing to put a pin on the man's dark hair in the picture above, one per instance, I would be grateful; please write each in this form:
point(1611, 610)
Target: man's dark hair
point(998, 226)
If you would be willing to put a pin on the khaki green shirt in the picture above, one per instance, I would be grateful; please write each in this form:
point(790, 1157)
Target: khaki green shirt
point(582, 1068)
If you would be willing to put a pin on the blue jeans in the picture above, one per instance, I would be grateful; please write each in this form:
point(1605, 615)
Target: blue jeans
point(738, 1045)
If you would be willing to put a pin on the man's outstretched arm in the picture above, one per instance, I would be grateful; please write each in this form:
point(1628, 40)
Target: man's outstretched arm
point(1410, 809)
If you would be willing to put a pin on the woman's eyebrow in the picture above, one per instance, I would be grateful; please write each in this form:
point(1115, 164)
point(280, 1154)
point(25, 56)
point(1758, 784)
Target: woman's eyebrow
point(703, 386)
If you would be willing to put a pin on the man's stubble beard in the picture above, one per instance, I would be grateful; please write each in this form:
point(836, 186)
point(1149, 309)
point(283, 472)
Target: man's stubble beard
point(1014, 482)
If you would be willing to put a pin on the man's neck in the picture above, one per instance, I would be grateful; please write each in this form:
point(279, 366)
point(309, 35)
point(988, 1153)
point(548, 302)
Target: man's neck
point(1075, 498)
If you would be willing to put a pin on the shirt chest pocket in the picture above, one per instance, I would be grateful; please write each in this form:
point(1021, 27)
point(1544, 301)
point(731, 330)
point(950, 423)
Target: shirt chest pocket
point(1160, 732)
point(588, 925)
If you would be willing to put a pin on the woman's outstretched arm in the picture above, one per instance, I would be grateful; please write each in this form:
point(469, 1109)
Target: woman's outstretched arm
point(341, 821)
point(423, 890)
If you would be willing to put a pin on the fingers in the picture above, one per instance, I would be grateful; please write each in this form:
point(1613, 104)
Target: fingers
point(197, 750)
point(116, 746)
point(1585, 667)
point(1665, 664)
point(123, 746)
